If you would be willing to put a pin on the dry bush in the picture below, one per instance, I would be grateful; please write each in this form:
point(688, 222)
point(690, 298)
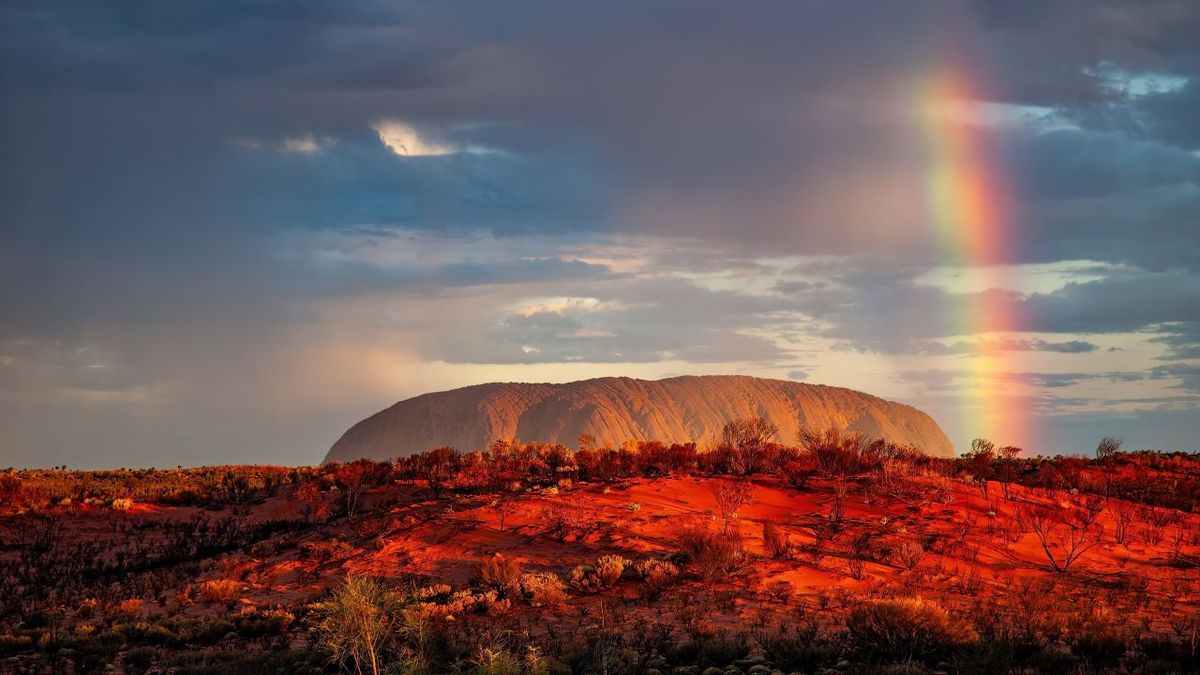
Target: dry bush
point(543, 589)
point(1072, 532)
point(838, 456)
point(731, 495)
point(130, 606)
point(504, 506)
point(799, 470)
point(781, 590)
point(712, 555)
point(657, 458)
point(903, 629)
point(602, 575)
point(749, 446)
point(223, 591)
point(908, 555)
point(502, 574)
point(858, 553)
point(609, 569)
point(777, 542)
point(122, 504)
point(309, 500)
point(1124, 513)
point(1154, 520)
point(657, 576)
point(323, 552)
point(569, 520)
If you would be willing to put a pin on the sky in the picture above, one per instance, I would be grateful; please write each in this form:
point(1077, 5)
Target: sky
point(229, 230)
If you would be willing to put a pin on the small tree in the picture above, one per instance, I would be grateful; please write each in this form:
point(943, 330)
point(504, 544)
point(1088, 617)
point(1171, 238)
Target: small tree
point(1007, 469)
point(979, 463)
point(437, 467)
point(1108, 447)
point(731, 495)
point(1123, 514)
point(311, 502)
point(504, 506)
point(1066, 529)
point(749, 443)
point(351, 479)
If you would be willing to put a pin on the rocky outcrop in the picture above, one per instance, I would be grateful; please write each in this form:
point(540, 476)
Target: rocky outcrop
point(615, 409)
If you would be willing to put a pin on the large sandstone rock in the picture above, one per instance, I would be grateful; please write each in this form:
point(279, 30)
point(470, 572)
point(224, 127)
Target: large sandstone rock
point(616, 409)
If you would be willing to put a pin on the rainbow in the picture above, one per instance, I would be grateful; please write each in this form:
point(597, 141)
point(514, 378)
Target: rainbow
point(971, 209)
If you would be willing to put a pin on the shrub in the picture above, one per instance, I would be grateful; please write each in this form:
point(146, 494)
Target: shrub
point(122, 504)
point(712, 555)
point(838, 456)
point(657, 576)
point(130, 606)
point(777, 542)
point(502, 574)
point(357, 622)
point(496, 660)
point(583, 578)
point(218, 591)
point(908, 555)
point(609, 569)
point(799, 471)
point(602, 575)
point(902, 629)
point(569, 520)
point(322, 552)
point(782, 590)
point(543, 589)
point(310, 501)
point(1100, 648)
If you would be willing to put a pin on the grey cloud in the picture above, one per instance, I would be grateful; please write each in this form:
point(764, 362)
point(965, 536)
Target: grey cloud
point(1187, 374)
point(646, 320)
point(1012, 345)
point(143, 194)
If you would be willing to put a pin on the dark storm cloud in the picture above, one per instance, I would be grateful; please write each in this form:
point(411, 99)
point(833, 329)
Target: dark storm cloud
point(153, 157)
point(686, 117)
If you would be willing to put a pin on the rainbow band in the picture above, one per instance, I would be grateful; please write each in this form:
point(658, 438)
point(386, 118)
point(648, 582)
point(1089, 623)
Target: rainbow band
point(971, 208)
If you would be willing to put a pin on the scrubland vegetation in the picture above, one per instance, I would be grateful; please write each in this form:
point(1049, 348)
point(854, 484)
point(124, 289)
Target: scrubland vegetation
point(835, 554)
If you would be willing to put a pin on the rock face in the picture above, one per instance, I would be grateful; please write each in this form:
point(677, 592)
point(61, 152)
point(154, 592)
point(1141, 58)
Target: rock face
point(615, 409)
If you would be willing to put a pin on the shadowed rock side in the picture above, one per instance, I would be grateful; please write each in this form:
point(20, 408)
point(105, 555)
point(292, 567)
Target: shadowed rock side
point(616, 409)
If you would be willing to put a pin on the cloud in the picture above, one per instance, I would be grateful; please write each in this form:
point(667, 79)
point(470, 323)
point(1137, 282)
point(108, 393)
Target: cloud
point(402, 139)
point(305, 145)
point(1010, 345)
point(270, 217)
